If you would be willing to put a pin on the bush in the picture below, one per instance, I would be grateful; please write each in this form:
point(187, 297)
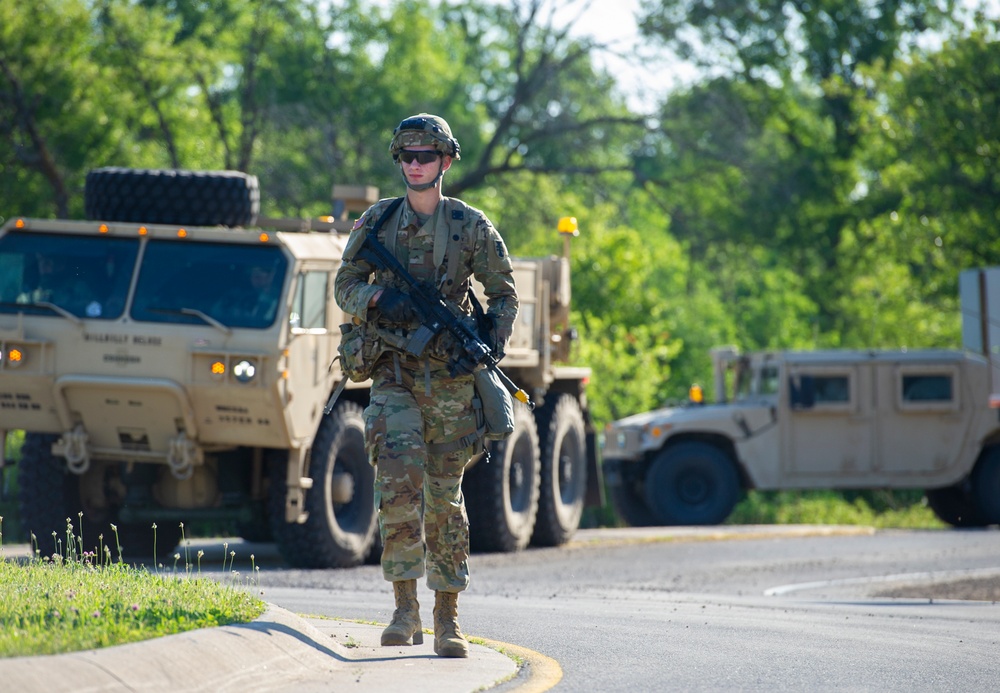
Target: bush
point(883, 508)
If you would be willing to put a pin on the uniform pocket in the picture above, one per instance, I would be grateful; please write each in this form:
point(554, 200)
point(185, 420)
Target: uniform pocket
point(375, 428)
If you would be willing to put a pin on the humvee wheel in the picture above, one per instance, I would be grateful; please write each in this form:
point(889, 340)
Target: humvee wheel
point(342, 521)
point(986, 487)
point(502, 494)
point(630, 505)
point(954, 505)
point(151, 196)
point(46, 493)
point(564, 471)
point(692, 484)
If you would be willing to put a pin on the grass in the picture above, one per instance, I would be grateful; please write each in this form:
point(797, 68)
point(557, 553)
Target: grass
point(77, 599)
point(905, 509)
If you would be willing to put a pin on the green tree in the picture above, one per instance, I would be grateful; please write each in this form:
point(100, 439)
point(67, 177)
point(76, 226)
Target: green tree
point(57, 107)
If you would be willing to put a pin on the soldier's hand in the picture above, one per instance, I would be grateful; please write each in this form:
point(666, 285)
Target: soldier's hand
point(462, 365)
point(396, 307)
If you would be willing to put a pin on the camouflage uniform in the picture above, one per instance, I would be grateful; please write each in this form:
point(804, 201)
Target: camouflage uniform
point(420, 427)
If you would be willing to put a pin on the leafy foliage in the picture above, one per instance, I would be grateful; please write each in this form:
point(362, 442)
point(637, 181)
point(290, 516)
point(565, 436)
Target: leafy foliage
point(821, 183)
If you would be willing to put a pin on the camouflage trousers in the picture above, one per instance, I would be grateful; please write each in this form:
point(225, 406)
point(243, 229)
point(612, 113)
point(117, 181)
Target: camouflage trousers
point(416, 414)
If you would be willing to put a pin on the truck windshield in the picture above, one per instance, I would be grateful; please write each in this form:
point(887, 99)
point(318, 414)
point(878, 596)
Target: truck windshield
point(236, 285)
point(85, 276)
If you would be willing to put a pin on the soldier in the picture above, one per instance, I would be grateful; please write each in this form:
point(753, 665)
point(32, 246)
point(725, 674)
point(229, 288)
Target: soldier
point(421, 428)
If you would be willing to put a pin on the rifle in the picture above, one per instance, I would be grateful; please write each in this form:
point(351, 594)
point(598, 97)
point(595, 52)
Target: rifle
point(435, 314)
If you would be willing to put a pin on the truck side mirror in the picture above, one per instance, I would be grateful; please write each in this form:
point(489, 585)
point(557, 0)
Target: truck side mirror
point(801, 391)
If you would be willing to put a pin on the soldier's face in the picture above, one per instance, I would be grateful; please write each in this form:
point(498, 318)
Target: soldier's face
point(417, 173)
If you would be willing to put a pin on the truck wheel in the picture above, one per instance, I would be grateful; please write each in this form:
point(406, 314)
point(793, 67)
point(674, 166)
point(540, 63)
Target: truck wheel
point(692, 484)
point(502, 493)
point(152, 196)
point(342, 519)
point(630, 505)
point(986, 487)
point(47, 493)
point(564, 471)
point(954, 506)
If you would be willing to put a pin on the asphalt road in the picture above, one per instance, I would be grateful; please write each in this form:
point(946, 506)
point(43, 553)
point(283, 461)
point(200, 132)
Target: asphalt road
point(656, 610)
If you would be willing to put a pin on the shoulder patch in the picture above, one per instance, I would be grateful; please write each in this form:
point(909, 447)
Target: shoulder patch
point(500, 250)
point(360, 222)
point(458, 214)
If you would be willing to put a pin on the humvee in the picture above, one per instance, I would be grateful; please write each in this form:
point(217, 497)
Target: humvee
point(920, 419)
point(170, 358)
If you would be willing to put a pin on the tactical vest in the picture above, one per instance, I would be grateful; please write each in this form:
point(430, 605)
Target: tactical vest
point(431, 253)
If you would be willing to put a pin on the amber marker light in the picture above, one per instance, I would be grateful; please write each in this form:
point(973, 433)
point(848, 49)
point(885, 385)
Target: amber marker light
point(19, 224)
point(15, 357)
point(568, 225)
point(264, 238)
point(103, 228)
point(182, 233)
point(696, 395)
point(218, 369)
point(143, 230)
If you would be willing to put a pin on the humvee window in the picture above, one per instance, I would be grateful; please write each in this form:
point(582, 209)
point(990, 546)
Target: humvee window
point(831, 389)
point(238, 285)
point(85, 276)
point(309, 303)
point(807, 391)
point(769, 380)
point(927, 388)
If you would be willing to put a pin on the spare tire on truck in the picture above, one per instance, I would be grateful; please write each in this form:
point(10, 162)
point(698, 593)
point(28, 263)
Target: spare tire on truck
point(172, 196)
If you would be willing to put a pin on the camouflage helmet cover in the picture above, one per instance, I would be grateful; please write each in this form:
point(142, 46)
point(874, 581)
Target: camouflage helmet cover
point(424, 129)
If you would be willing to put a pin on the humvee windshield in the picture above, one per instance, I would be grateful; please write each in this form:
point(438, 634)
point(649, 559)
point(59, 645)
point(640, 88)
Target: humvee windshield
point(751, 383)
point(182, 282)
point(87, 276)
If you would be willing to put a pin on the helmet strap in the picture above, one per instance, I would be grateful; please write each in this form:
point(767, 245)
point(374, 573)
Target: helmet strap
point(420, 187)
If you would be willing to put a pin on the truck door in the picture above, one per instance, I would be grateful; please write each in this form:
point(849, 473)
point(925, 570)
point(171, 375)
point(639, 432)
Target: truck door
point(921, 424)
point(828, 432)
point(311, 348)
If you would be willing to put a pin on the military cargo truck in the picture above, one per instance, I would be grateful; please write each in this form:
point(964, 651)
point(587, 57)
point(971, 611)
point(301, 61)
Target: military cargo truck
point(922, 419)
point(170, 358)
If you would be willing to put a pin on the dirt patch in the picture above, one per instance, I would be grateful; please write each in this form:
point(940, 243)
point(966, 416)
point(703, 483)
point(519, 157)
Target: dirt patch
point(985, 589)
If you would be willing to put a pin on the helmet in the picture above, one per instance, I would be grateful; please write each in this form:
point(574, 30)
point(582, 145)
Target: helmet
point(424, 128)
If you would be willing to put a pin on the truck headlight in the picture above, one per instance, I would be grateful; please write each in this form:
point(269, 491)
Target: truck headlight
point(244, 371)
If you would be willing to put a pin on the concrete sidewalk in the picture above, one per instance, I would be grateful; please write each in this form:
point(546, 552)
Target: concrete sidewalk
point(277, 652)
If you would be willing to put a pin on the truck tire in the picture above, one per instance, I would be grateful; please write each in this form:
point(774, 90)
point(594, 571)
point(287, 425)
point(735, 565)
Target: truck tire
point(338, 532)
point(502, 493)
point(563, 439)
point(155, 196)
point(986, 487)
point(954, 505)
point(630, 505)
point(47, 494)
point(692, 483)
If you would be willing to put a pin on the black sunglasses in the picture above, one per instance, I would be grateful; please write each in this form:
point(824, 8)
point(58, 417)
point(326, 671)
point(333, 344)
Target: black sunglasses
point(408, 156)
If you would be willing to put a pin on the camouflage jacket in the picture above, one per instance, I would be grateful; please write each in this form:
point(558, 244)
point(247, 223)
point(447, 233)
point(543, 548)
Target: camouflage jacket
point(456, 244)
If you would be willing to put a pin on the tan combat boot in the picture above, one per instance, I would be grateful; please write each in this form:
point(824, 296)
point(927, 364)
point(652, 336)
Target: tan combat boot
point(448, 638)
point(406, 618)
